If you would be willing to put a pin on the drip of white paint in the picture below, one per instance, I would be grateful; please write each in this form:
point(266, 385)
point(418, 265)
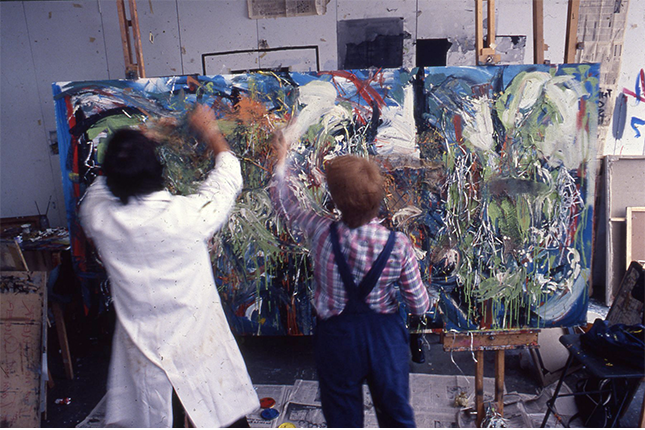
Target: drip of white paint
point(318, 98)
point(527, 94)
point(478, 129)
point(563, 144)
point(397, 136)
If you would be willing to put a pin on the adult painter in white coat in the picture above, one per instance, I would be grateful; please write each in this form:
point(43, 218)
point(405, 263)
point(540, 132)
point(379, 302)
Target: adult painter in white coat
point(171, 331)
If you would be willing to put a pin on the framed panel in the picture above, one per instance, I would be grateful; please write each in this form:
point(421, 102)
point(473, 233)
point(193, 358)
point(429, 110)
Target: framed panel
point(623, 188)
point(635, 235)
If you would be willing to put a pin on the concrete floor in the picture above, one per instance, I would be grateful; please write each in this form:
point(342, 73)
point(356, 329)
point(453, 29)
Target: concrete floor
point(270, 360)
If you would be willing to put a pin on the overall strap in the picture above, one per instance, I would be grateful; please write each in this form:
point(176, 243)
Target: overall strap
point(371, 278)
point(369, 281)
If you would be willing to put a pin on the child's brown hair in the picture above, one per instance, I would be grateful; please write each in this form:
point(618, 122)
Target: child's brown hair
point(356, 186)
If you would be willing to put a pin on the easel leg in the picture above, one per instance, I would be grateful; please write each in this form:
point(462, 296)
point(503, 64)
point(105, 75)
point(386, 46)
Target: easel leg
point(499, 380)
point(479, 386)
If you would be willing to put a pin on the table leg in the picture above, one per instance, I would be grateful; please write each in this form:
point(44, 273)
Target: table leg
point(62, 339)
point(479, 387)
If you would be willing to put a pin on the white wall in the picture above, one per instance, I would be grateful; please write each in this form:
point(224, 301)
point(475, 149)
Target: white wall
point(632, 65)
point(49, 41)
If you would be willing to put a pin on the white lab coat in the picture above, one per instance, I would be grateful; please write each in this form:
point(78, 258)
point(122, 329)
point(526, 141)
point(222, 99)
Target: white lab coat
point(171, 330)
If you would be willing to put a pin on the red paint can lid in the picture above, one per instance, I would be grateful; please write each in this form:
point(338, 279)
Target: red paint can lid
point(267, 402)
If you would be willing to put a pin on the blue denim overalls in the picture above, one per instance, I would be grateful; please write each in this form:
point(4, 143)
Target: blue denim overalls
point(361, 345)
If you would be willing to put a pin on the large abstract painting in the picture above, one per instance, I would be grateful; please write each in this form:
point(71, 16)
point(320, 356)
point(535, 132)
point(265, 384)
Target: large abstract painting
point(489, 171)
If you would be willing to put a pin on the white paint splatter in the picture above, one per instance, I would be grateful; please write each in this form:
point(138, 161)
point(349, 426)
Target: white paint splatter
point(478, 128)
point(318, 99)
point(562, 143)
point(397, 135)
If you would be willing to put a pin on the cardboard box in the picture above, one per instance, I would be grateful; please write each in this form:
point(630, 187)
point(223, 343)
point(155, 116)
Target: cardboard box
point(22, 304)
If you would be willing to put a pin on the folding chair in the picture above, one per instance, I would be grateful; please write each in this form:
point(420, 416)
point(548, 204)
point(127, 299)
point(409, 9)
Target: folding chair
point(619, 379)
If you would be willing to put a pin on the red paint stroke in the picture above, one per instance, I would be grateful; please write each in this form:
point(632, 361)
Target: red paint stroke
point(638, 89)
point(360, 118)
point(582, 111)
point(193, 83)
point(363, 88)
point(71, 120)
point(456, 123)
point(573, 226)
point(292, 319)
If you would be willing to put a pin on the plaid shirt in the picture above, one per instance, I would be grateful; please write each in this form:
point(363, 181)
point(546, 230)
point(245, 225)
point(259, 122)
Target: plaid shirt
point(361, 247)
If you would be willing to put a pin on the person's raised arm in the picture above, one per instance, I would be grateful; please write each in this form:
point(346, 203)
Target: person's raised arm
point(280, 147)
point(203, 122)
point(224, 182)
point(284, 199)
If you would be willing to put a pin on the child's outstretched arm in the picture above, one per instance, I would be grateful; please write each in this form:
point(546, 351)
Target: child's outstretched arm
point(283, 196)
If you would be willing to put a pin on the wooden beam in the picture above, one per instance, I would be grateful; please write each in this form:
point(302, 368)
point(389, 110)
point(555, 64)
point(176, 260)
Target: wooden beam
point(134, 66)
point(538, 31)
point(479, 29)
point(572, 31)
point(125, 38)
point(136, 36)
point(491, 341)
point(491, 25)
point(485, 53)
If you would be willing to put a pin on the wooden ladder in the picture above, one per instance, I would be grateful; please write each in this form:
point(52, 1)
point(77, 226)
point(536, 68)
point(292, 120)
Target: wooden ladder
point(134, 66)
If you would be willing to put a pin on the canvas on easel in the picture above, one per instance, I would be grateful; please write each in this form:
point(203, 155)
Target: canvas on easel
point(489, 171)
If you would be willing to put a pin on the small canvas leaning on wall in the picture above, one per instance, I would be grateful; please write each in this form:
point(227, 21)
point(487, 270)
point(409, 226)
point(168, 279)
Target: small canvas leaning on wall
point(489, 171)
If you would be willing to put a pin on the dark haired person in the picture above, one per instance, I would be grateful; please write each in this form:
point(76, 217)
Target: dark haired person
point(171, 337)
point(360, 336)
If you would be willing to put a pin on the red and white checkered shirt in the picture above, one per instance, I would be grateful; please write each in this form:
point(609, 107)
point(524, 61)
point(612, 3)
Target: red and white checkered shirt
point(361, 247)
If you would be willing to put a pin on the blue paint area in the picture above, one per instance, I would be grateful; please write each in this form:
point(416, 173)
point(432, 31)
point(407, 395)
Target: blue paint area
point(620, 116)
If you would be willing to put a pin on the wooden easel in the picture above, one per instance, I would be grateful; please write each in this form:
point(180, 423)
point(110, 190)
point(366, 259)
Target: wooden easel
point(485, 54)
point(571, 42)
point(498, 341)
point(134, 67)
point(538, 31)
